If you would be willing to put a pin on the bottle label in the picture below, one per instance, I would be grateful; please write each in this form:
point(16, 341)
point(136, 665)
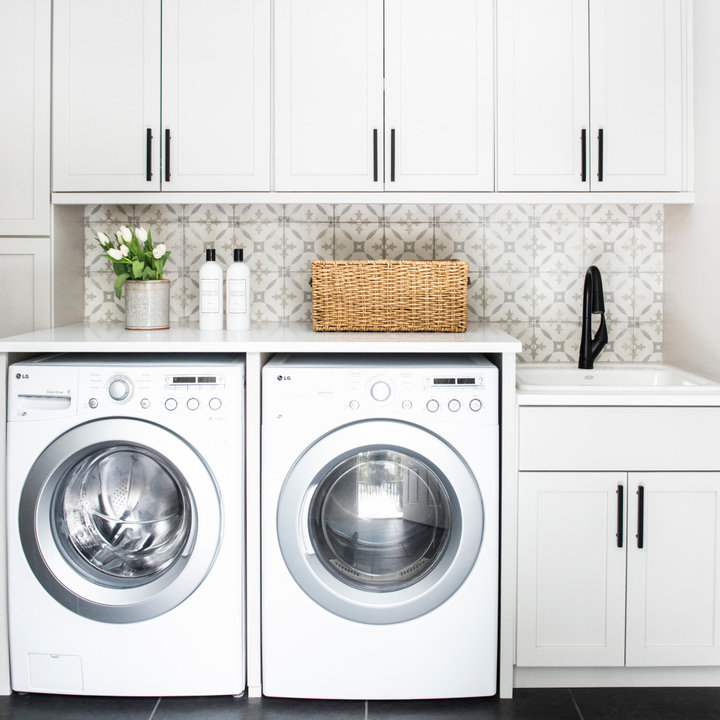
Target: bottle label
point(210, 296)
point(237, 297)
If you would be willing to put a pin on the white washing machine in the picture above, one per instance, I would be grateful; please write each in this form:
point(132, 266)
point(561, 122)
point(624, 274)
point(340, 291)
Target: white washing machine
point(380, 515)
point(125, 525)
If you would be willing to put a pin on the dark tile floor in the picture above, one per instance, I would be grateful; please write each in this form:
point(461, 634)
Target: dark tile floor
point(555, 704)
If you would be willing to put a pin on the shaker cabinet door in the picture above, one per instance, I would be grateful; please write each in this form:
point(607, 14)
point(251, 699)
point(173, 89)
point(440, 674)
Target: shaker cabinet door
point(542, 95)
point(216, 95)
point(673, 593)
point(439, 95)
point(571, 569)
point(636, 94)
point(25, 118)
point(328, 95)
point(106, 95)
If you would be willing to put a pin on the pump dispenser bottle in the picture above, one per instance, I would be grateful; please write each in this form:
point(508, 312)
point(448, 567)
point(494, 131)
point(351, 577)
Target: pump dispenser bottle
point(211, 293)
point(238, 293)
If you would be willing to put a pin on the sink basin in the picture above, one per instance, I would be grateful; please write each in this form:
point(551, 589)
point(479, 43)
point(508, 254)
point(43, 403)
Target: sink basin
point(625, 377)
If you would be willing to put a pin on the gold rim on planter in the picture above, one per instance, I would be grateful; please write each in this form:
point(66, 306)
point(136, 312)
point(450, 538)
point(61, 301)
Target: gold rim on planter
point(389, 295)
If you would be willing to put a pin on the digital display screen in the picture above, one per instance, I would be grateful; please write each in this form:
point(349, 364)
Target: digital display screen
point(466, 381)
point(207, 379)
point(182, 380)
point(443, 381)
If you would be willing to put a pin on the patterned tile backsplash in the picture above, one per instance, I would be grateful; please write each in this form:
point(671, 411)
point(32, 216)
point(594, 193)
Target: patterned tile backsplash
point(527, 262)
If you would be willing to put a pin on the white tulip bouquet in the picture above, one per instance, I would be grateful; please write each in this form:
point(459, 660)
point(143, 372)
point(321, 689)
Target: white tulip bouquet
point(134, 257)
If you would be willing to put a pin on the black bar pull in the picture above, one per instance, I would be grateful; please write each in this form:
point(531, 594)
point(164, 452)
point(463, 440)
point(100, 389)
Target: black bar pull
point(641, 517)
point(583, 155)
point(620, 514)
point(167, 155)
point(601, 154)
point(392, 155)
point(148, 154)
point(375, 155)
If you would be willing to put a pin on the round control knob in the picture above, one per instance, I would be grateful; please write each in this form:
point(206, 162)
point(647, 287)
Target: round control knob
point(354, 404)
point(215, 403)
point(193, 404)
point(144, 403)
point(407, 404)
point(433, 405)
point(475, 404)
point(119, 389)
point(92, 403)
point(380, 391)
point(453, 405)
point(171, 404)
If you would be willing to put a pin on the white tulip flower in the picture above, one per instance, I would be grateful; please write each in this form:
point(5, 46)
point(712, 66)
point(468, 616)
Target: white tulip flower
point(126, 233)
point(114, 254)
point(119, 237)
point(103, 238)
point(124, 249)
point(141, 234)
point(159, 251)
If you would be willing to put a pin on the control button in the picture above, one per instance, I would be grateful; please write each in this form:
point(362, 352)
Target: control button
point(119, 389)
point(453, 405)
point(193, 404)
point(354, 404)
point(215, 403)
point(380, 391)
point(92, 403)
point(171, 404)
point(475, 404)
point(407, 404)
point(145, 403)
point(433, 405)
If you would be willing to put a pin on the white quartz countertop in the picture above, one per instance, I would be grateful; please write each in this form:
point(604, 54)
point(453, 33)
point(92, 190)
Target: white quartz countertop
point(269, 337)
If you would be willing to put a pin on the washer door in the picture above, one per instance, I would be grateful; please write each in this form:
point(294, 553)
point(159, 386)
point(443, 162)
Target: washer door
point(380, 521)
point(120, 520)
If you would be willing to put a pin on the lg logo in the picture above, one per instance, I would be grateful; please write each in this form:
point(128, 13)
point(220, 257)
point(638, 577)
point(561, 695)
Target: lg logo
point(283, 377)
point(21, 376)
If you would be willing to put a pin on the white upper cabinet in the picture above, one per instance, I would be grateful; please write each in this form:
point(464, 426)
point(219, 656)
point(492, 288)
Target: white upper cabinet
point(543, 95)
point(216, 94)
point(636, 94)
point(591, 95)
point(107, 80)
point(25, 118)
point(328, 94)
point(106, 95)
point(436, 130)
point(439, 104)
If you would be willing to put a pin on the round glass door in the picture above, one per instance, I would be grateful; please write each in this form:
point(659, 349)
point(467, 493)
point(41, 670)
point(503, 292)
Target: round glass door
point(380, 521)
point(120, 519)
point(122, 515)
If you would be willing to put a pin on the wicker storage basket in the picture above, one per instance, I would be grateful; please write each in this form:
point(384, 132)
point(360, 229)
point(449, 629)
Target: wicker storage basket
point(390, 295)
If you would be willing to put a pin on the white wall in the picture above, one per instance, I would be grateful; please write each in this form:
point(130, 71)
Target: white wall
point(692, 233)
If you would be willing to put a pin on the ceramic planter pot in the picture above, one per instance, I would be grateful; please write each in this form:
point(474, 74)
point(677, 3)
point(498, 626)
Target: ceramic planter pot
point(147, 304)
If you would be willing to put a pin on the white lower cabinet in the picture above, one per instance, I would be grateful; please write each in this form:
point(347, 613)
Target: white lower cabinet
point(618, 569)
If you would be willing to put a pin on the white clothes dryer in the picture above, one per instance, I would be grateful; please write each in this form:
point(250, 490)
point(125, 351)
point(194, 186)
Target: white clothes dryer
point(380, 514)
point(125, 525)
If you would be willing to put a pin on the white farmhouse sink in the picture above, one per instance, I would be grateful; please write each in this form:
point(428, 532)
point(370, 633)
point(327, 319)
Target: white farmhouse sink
point(622, 377)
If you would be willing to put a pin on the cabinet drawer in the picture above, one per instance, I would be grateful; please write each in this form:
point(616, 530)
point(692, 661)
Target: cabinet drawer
point(619, 438)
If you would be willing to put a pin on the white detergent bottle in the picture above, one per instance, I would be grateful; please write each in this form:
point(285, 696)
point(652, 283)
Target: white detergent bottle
point(211, 293)
point(238, 293)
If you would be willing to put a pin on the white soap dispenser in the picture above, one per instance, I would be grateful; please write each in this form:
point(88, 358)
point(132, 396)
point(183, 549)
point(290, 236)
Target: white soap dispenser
point(238, 293)
point(211, 293)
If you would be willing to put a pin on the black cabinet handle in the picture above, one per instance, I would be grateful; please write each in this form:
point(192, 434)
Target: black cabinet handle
point(620, 514)
point(601, 153)
point(148, 154)
point(375, 155)
point(392, 155)
point(583, 155)
point(167, 155)
point(641, 517)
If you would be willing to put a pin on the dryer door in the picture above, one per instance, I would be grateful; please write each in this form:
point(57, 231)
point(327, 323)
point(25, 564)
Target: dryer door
point(380, 521)
point(120, 520)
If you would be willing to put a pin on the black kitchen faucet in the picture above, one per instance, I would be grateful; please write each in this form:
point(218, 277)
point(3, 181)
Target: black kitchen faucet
point(593, 303)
